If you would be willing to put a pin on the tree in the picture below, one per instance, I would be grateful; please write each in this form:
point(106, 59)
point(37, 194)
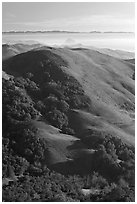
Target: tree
point(57, 118)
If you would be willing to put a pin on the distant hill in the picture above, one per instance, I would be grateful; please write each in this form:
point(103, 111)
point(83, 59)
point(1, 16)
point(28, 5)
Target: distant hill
point(10, 50)
point(120, 54)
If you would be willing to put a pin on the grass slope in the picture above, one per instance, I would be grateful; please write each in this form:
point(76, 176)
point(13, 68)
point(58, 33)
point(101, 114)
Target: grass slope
point(65, 153)
point(109, 84)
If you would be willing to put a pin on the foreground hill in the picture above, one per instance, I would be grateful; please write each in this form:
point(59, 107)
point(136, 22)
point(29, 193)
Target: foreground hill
point(71, 111)
point(107, 81)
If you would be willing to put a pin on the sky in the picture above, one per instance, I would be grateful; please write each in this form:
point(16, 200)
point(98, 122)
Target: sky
point(69, 16)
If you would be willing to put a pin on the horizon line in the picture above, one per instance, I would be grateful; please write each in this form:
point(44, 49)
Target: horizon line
point(43, 31)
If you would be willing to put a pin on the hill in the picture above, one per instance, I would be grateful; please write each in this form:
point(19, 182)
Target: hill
point(14, 49)
point(71, 111)
point(120, 54)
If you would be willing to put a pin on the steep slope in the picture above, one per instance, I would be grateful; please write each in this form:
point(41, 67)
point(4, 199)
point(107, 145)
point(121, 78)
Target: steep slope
point(58, 143)
point(108, 82)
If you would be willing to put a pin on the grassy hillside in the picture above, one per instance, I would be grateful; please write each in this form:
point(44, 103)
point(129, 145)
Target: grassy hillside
point(106, 80)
